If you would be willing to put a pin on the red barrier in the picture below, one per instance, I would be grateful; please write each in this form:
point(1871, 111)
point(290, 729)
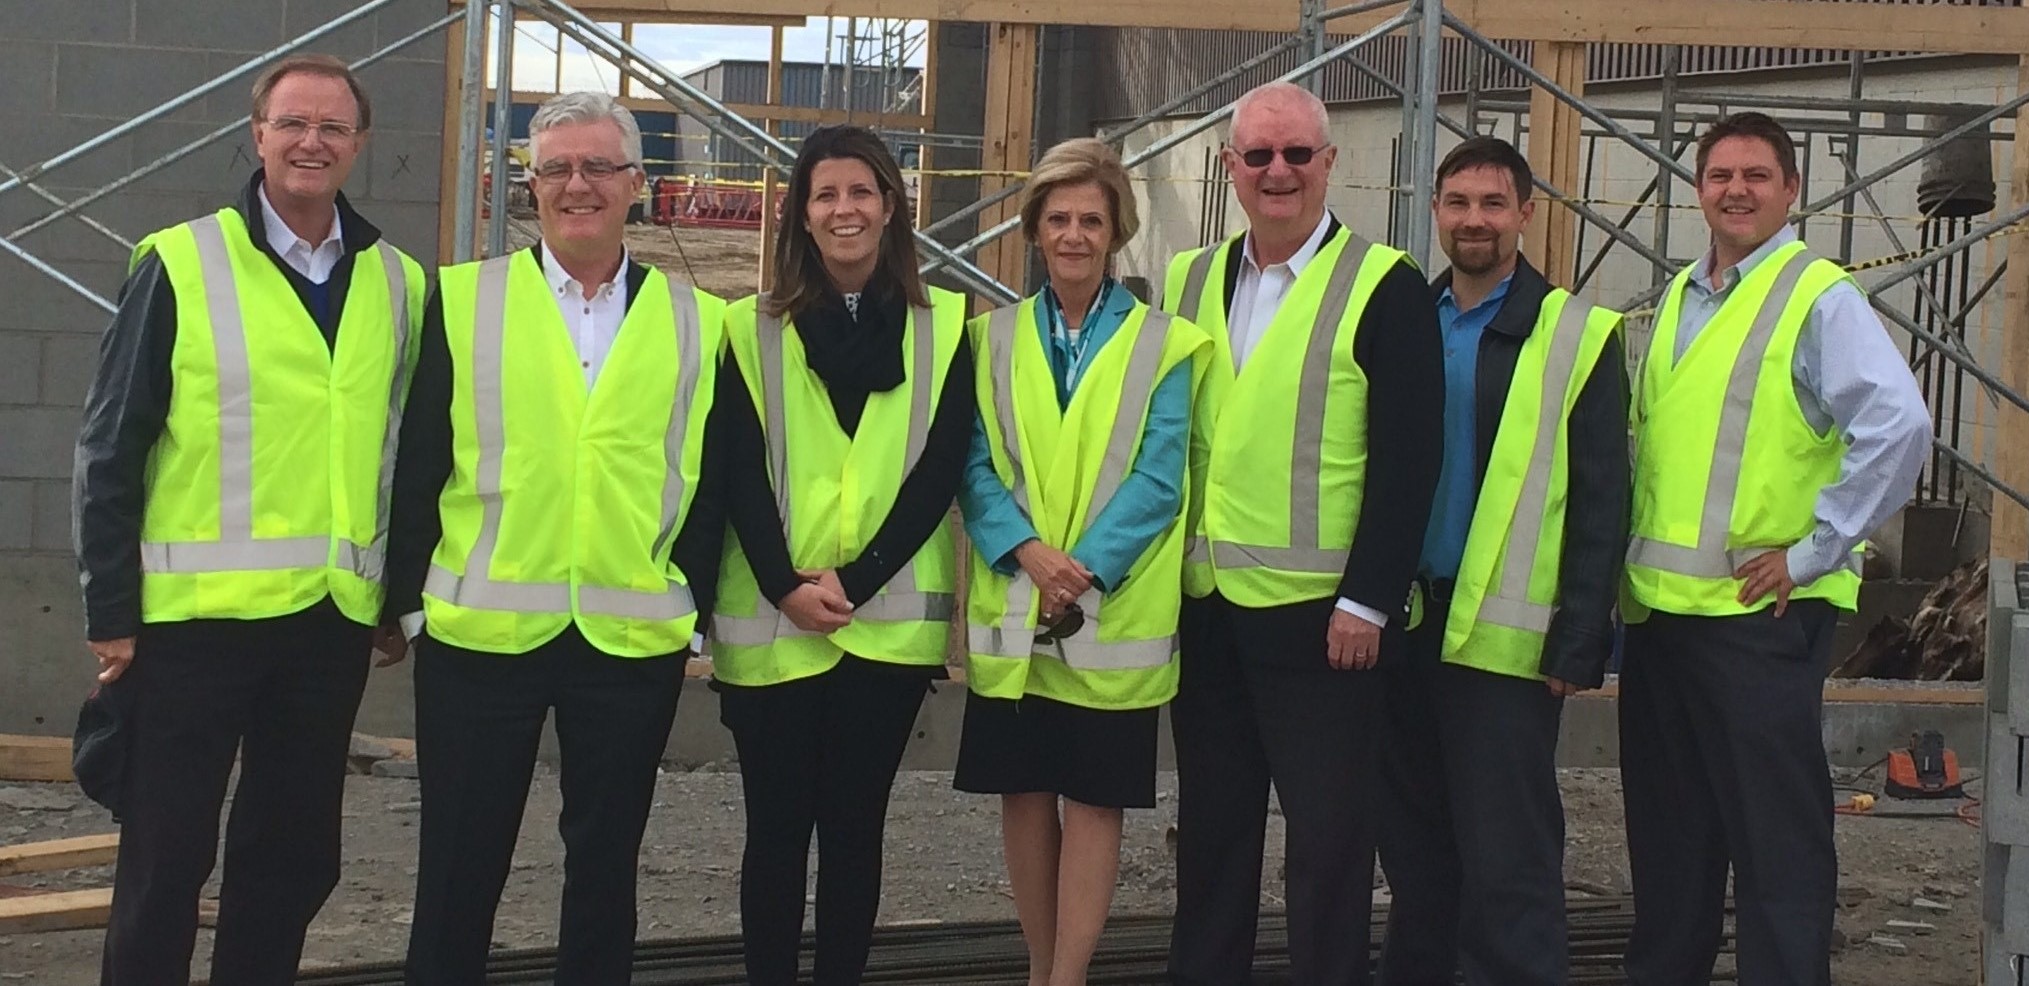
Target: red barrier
point(715, 205)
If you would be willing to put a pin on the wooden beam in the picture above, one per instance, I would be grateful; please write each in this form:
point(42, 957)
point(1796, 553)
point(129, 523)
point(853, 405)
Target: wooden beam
point(757, 111)
point(771, 190)
point(1009, 146)
point(1554, 139)
point(73, 910)
point(35, 758)
point(924, 155)
point(60, 854)
point(2009, 537)
point(447, 166)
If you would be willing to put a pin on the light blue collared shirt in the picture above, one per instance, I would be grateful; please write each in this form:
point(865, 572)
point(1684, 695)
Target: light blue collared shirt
point(1848, 375)
point(1148, 499)
point(1458, 479)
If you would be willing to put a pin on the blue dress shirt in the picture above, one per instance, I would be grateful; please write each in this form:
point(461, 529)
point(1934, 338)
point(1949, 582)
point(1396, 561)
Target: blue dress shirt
point(1148, 499)
point(1458, 479)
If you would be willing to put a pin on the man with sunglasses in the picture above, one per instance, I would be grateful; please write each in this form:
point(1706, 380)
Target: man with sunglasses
point(555, 544)
point(1520, 568)
point(1326, 403)
point(230, 518)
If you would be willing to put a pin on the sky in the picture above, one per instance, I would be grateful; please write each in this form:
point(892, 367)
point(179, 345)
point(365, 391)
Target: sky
point(681, 47)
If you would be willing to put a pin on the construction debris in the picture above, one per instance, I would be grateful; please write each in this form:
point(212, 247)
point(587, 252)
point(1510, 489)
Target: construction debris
point(1887, 943)
point(1926, 904)
point(1945, 641)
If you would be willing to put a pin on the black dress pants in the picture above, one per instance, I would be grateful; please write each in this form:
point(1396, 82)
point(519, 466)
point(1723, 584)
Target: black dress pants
point(1472, 837)
point(479, 720)
point(1723, 764)
point(1246, 715)
point(817, 754)
point(281, 693)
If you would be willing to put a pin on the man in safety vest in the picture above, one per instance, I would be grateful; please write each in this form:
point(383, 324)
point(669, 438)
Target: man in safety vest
point(1776, 425)
point(1521, 567)
point(556, 539)
point(1327, 399)
point(230, 520)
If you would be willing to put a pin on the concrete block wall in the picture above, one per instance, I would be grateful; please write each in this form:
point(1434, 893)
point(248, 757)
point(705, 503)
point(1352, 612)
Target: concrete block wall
point(74, 69)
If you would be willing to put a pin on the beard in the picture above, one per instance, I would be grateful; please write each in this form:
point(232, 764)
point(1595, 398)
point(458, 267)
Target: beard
point(1475, 257)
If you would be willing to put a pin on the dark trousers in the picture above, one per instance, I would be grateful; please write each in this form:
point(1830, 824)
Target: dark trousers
point(479, 720)
point(1723, 762)
point(281, 693)
point(1243, 719)
point(817, 754)
point(1472, 836)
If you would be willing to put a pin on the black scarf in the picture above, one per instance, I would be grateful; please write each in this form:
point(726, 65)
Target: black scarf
point(862, 355)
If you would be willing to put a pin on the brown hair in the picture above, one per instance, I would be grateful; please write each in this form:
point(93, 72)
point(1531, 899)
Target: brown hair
point(1759, 126)
point(799, 269)
point(1483, 152)
point(324, 65)
point(1075, 162)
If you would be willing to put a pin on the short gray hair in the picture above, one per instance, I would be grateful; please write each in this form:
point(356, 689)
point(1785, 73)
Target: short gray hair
point(1282, 92)
point(586, 107)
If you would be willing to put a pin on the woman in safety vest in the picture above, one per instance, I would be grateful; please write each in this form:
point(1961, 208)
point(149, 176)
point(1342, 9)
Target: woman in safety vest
point(855, 383)
point(1075, 498)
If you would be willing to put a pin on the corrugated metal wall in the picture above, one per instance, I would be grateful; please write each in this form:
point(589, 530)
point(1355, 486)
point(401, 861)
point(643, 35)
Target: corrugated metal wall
point(1140, 68)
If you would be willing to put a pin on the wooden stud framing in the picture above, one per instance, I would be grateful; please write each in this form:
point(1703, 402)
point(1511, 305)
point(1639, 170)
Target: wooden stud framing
point(2010, 534)
point(770, 180)
point(1554, 154)
point(1010, 136)
point(924, 162)
point(447, 166)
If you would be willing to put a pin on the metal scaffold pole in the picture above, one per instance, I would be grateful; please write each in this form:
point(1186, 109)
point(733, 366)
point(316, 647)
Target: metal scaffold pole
point(464, 226)
point(503, 119)
point(1423, 138)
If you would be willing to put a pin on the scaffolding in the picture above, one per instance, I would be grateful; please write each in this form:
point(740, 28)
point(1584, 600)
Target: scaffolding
point(1562, 128)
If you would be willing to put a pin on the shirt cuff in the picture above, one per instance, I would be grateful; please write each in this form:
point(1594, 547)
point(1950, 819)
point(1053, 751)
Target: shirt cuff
point(1374, 616)
point(412, 625)
point(1817, 556)
point(697, 643)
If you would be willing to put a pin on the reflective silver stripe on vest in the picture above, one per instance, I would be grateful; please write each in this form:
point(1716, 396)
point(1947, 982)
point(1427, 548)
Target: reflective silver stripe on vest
point(1711, 559)
point(236, 549)
point(901, 600)
point(689, 343)
point(1509, 605)
point(1306, 456)
point(475, 589)
point(1013, 637)
point(1196, 276)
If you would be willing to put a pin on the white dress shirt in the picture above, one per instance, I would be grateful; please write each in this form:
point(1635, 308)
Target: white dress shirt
point(313, 261)
point(1257, 294)
point(593, 322)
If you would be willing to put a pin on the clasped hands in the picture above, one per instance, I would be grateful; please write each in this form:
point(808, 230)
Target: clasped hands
point(819, 604)
point(1059, 578)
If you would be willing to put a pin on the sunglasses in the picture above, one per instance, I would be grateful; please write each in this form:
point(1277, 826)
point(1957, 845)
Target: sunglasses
point(1068, 623)
point(1297, 157)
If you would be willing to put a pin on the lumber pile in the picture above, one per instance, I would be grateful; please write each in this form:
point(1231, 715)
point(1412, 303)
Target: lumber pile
point(1946, 640)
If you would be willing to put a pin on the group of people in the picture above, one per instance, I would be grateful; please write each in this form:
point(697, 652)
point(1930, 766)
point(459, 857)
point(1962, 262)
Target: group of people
point(1363, 532)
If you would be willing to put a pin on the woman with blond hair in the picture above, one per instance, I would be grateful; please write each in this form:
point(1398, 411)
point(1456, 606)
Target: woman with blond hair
point(853, 383)
point(1075, 499)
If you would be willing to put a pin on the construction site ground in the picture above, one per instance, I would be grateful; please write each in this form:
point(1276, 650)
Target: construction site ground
point(943, 863)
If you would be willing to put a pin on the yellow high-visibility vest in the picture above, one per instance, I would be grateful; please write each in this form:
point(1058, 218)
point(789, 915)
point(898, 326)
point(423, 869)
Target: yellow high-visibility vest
point(1511, 572)
point(1064, 465)
point(1727, 467)
point(833, 490)
point(563, 503)
point(1282, 490)
point(268, 489)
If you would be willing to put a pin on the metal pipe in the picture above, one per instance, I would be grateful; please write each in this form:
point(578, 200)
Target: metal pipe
point(1792, 124)
point(1828, 104)
point(1855, 82)
point(1924, 150)
point(216, 135)
point(1475, 69)
point(1423, 138)
point(1529, 72)
point(61, 278)
point(1115, 135)
point(35, 171)
point(1201, 124)
point(1976, 469)
point(1666, 130)
point(1324, 17)
point(503, 121)
point(725, 122)
point(1946, 350)
point(52, 198)
point(1993, 278)
point(465, 190)
point(1310, 28)
point(1920, 264)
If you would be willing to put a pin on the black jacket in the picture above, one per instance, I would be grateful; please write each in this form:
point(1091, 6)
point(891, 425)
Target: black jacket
point(1399, 349)
point(423, 466)
point(129, 403)
point(1595, 538)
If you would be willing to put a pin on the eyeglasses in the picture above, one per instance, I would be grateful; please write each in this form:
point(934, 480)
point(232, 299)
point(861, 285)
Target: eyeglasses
point(595, 171)
point(1297, 157)
point(295, 128)
point(1068, 624)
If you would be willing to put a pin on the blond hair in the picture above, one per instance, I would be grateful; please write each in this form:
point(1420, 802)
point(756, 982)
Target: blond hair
point(1075, 162)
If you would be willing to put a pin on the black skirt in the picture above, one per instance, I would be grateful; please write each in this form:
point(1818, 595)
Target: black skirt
point(1035, 745)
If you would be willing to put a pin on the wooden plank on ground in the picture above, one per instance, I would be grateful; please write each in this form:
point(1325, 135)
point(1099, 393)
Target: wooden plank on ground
point(71, 910)
point(35, 758)
point(60, 854)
